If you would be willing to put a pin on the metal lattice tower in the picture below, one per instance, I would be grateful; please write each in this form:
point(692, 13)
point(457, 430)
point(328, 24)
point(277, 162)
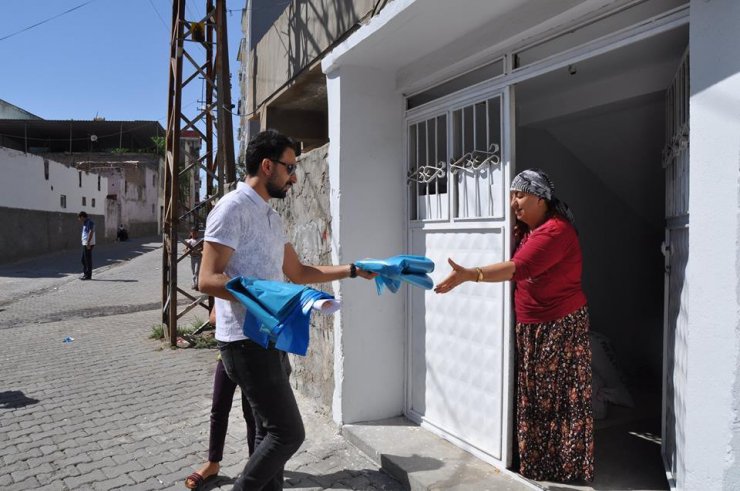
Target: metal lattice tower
point(201, 46)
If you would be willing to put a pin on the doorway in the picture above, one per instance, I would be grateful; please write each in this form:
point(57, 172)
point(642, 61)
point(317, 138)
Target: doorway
point(598, 128)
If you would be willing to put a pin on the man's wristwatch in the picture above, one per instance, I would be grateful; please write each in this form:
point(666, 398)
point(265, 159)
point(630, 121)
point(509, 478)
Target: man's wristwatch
point(352, 271)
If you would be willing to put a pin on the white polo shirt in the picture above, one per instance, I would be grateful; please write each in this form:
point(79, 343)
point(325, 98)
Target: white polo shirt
point(243, 221)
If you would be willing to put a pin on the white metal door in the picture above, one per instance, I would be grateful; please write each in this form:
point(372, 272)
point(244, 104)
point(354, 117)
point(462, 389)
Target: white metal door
point(459, 363)
point(676, 252)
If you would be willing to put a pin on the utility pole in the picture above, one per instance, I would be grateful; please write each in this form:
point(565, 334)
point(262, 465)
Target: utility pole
point(198, 47)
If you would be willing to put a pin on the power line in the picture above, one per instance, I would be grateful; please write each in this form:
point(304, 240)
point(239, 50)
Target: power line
point(164, 24)
point(46, 20)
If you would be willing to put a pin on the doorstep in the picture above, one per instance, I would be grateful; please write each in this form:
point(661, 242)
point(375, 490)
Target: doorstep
point(423, 461)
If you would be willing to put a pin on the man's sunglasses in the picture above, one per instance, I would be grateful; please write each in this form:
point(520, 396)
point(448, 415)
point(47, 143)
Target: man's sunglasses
point(289, 167)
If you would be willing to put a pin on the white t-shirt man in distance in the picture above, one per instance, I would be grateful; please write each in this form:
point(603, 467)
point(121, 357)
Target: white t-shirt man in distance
point(245, 237)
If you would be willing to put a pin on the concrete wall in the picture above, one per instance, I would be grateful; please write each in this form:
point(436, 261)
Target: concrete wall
point(25, 186)
point(366, 171)
point(29, 233)
point(31, 210)
point(297, 38)
point(305, 212)
point(712, 425)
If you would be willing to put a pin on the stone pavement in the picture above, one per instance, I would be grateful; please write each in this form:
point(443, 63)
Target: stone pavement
point(114, 409)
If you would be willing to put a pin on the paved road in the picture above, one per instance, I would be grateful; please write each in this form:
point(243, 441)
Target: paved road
point(114, 409)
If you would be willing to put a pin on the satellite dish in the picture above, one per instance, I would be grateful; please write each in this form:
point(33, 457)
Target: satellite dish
point(93, 138)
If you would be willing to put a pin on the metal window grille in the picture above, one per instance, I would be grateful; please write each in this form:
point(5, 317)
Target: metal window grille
point(476, 159)
point(428, 169)
point(675, 154)
point(472, 165)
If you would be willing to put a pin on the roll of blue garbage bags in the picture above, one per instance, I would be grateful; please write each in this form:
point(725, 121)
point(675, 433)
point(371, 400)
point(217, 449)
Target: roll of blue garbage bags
point(396, 269)
point(277, 312)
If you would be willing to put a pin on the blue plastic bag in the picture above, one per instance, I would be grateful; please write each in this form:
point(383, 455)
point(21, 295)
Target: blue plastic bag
point(393, 270)
point(277, 312)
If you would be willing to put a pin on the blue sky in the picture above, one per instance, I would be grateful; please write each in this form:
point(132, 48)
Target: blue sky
point(108, 58)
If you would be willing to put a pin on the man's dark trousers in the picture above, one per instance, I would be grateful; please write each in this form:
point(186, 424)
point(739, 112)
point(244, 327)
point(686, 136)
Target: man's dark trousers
point(87, 261)
point(262, 376)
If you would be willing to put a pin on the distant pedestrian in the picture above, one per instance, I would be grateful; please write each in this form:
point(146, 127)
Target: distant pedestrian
point(195, 247)
point(88, 242)
point(122, 234)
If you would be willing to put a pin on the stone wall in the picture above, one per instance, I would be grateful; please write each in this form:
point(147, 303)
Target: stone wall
point(306, 214)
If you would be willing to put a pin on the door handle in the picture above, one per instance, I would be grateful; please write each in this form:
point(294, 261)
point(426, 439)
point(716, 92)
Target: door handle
point(665, 249)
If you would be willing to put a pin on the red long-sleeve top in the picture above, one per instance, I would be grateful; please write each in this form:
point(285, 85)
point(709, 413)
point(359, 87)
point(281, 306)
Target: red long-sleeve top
point(548, 273)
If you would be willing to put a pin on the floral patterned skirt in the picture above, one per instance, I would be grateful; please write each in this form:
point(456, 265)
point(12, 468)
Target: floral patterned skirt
point(554, 416)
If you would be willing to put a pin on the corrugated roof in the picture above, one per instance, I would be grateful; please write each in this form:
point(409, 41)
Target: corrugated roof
point(79, 135)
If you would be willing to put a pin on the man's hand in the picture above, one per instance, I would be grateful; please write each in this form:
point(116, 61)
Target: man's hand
point(366, 274)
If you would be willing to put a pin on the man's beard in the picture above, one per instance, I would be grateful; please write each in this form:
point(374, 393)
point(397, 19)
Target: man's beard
point(276, 191)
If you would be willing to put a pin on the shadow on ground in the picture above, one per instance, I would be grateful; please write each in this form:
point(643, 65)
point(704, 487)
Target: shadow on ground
point(64, 263)
point(14, 399)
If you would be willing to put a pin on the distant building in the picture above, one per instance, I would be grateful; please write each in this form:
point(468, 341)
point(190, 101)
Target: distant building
point(11, 111)
point(53, 169)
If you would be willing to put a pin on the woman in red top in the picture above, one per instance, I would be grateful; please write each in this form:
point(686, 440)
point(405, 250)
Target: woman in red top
point(553, 369)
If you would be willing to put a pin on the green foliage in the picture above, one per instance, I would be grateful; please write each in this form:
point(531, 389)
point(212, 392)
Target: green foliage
point(157, 332)
point(204, 340)
point(159, 145)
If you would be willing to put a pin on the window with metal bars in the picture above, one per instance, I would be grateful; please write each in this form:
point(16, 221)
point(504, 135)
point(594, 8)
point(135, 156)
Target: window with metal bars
point(469, 172)
point(427, 175)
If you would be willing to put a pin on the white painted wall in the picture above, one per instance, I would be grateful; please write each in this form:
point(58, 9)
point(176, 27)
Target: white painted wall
point(366, 169)
point(712, 432)
point(137, 195)
point(24, 186)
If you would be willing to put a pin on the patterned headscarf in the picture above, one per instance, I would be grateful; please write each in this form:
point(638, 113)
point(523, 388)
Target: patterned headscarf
point(538, 183)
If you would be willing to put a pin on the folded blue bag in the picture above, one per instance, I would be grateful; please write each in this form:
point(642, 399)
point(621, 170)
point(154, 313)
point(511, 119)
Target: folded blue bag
point(393, 270)
point(276, 311)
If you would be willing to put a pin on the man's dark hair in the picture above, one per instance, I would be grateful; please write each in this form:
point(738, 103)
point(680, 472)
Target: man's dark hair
point(82, 214)
point(268, 144)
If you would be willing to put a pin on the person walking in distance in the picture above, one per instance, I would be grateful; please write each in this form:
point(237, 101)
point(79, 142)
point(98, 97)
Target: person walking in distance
point(195, 247)
point(88, 242)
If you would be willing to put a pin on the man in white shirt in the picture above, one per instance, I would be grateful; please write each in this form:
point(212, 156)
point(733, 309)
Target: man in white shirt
point(245, 237)
point(88, 242)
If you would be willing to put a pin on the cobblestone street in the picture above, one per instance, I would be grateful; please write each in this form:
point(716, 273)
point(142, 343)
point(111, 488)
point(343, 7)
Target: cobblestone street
point(113, 408)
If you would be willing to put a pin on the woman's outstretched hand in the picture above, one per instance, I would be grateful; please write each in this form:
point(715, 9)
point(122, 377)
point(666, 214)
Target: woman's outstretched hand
point(459, 275)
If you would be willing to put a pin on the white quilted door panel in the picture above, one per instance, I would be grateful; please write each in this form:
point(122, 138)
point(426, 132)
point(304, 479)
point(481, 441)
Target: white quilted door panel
point(457, 342)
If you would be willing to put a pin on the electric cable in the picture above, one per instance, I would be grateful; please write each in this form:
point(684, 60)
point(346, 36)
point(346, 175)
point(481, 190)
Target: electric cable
point(47, 20)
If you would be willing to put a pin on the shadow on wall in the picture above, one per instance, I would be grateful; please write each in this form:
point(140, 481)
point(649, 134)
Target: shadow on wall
point(304, 17)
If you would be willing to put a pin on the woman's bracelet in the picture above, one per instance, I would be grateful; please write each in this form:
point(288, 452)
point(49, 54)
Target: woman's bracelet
point(480, 275)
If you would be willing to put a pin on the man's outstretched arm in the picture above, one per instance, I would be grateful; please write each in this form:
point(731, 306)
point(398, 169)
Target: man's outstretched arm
point(303, 274)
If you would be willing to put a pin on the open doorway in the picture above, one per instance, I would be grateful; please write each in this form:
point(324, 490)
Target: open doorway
point(598, 127)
